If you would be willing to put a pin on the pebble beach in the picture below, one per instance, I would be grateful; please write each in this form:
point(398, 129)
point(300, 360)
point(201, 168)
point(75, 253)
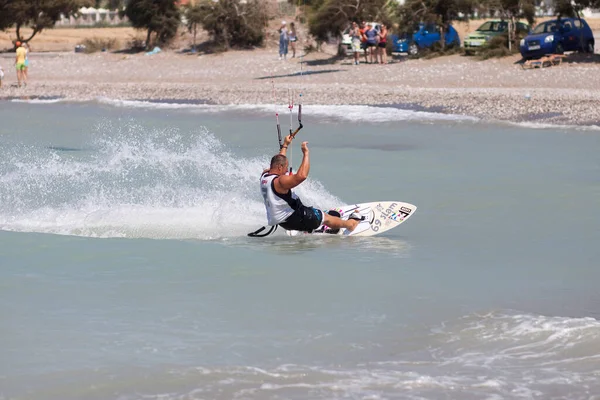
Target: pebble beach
point(498, 89)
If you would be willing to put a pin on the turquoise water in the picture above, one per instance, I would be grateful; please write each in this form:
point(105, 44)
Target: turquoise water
point(126, 272)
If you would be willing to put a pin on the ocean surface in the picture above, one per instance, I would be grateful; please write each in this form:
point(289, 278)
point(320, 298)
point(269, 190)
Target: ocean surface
point(126, 272)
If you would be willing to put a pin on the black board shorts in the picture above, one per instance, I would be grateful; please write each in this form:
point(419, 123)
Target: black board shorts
point(305, 219)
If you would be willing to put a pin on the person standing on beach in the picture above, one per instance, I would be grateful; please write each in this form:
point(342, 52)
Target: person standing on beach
point(20, 64)
point(382, 46)
point(355, 34)
point(363, 39)
point(371, 35)
point(1, 75)
point(283, 41)
point(293, 36)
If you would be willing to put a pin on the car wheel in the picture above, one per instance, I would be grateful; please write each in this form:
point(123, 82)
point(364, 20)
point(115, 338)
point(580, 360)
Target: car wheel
point(413, 49)
point(559, 49)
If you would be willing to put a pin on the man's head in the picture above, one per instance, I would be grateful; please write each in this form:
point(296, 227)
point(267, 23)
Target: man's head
point(18, 44)
point(279, 164)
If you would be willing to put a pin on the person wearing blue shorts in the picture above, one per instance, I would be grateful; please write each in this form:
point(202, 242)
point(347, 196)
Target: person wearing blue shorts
point(284, 207)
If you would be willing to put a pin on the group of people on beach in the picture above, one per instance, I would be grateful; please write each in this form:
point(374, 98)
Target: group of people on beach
point(287, 38)
point(21, 64)
point(371, 39)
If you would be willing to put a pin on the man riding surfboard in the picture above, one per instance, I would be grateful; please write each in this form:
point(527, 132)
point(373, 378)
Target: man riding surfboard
point(284, 207)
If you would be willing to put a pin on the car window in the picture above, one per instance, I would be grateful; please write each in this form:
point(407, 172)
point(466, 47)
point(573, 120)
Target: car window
point(430, 28)
point(485, 27)
point(499, 26)
point(567, 26)
point(546, 27)
point(521, 27)
point(493, 26)
point(577, 24)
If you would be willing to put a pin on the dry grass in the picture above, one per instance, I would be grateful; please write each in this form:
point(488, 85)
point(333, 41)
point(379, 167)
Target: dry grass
point(98, 44)
point(65, 39)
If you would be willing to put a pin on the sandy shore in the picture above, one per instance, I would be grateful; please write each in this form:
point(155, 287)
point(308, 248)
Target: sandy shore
point(493, 89)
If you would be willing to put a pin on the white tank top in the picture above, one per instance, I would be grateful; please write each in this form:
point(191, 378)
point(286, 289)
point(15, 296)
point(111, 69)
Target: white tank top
point(279, 206)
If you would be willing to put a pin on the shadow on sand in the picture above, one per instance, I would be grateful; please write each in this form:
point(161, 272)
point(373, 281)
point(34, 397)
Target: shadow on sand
point(574, 58)
point(582, 58)
point(327, 71)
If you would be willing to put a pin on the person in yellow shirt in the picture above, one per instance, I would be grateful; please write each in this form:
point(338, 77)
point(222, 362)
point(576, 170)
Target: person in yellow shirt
point(20, 63)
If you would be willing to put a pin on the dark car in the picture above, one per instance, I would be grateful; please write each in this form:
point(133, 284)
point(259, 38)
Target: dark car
point(556, 37)
point(424, 36)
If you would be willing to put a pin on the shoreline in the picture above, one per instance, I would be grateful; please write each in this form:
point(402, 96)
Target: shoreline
point(492, 90)
point(421, 114)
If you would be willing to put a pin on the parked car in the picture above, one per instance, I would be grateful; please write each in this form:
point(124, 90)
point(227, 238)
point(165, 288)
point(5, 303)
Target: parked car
point(346, 44)
point(424, 36)
point(556, 37)
point(490, 29)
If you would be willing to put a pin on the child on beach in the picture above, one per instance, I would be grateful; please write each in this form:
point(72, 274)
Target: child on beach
point(20, 63)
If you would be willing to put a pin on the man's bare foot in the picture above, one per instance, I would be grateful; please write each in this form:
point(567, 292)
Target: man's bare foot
point(352, 224)
point(353, 220)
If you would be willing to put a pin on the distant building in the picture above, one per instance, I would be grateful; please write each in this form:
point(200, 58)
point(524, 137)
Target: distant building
point(547, 8)
point(591, 13)
point(92, 16)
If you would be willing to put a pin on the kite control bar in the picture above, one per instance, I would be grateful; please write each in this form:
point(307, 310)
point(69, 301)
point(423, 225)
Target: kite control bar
point(279, 132)
point(293, 134)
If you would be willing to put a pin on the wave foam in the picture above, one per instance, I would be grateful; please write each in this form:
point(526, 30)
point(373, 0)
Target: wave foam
point(38, 100)
point(137, 183)
point(354, 113)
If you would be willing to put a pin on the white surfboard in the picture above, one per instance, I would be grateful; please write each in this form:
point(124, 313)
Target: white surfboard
point(378, 217)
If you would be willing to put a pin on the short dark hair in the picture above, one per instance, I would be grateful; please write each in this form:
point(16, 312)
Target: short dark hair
point(278, 160)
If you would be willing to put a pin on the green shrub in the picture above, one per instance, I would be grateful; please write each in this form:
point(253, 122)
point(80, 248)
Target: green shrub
point(436, 50)
point(497, 47)
point(95, 44)
point(233, 23)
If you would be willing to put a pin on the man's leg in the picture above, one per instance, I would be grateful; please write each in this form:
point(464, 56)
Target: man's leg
point(338, 223)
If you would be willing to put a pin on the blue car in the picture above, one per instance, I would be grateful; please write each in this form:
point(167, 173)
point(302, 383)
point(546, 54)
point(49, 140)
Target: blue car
point(425, 36)
point(554, 37)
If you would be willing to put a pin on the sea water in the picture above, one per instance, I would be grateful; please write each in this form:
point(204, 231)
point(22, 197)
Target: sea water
point(126, 272)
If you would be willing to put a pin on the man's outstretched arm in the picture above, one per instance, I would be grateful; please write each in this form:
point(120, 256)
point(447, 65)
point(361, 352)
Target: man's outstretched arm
point(286, 182)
